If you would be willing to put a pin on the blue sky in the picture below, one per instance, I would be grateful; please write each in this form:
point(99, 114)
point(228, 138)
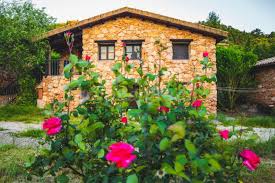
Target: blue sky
point(242, 14)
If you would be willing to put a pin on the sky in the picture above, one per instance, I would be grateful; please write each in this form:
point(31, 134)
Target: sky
point(242, 14)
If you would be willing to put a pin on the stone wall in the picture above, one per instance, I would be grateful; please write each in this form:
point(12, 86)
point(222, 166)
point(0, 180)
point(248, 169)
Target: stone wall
point(265, 94)
point(53, 88)
point(135, 29)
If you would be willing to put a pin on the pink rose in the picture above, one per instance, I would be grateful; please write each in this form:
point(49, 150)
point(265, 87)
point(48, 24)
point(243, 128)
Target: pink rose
point(205, 54)
point(250, 159)
point(52, 125)
point(124, 120)
point(120, 153)
point(224, 134)
point(197, 103)
point(123, 44)
point(163, 109)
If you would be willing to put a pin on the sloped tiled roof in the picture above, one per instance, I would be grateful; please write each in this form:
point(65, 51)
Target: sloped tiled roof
point(126, 11)
point(266, 62)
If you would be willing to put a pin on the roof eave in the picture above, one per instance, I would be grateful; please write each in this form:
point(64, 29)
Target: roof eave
point(219, 35)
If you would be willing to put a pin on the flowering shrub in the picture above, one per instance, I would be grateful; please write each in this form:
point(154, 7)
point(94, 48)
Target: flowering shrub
point(145, 131)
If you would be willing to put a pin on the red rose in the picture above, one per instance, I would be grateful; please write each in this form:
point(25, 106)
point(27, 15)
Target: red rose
point(250, 159)
point(123, 44)
point(127, 59)
point(197, 85)
point(205, 54)
point(87, 58)
point(197, 103)
point(163, 109)
point(124, 120)
point(224, 134)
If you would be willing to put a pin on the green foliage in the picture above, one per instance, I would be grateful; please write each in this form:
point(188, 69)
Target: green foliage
point(233, 72)
point(255, 41)
point(24, 113)
point(179, 142)
point(20, 22)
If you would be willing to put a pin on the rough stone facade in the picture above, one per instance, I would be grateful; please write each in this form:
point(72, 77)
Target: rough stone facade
point(265, 94)
point(127, 28)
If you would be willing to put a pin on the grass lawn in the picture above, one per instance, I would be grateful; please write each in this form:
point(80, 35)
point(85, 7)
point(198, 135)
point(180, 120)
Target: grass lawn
point(12, 161)
point(28, 114)
point(33, 133)
point(251, 121)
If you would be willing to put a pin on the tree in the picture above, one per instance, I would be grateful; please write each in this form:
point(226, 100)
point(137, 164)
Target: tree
point(234, 66)
point(256, 41)
point(19, 55)
point(213, 20)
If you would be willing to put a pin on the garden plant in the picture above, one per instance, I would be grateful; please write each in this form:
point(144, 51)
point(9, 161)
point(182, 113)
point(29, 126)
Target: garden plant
point(144, 131)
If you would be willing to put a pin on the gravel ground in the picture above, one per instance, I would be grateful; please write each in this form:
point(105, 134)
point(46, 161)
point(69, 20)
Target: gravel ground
point(12, 127)
point(263, 133)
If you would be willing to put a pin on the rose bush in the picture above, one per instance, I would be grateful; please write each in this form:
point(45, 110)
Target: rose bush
point(145, 131)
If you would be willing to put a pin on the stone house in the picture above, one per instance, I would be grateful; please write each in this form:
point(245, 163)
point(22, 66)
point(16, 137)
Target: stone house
point(265, 77)
point(101, 38)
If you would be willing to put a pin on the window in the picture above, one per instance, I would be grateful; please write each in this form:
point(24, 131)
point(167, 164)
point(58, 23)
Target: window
point(106, 50)
point(52, 68)
point(133, 49)
point(180, 49)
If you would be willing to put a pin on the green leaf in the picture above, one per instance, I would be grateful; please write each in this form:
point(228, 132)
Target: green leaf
point(78, 138)
point(101, 153)
point(68, 68)
point(164, 144)
point(116, 67)
point(178, 130)
point(190, 147)
point(82, 146)
point(214, 164)
point(162, 126)
point(181, 159)
point(183, 175)
point(73, 59)
point(153, 129)
point(134, 112)
point(96, 126)
point(62, 178)
point(168, 169)
point(151, 77)
point(178, 167)
point(132, 179)
point(74, 84)
point(82, 64)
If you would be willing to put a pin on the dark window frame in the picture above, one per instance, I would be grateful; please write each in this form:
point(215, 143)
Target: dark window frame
point(133, 43)
point(186, 47)
point(107, 44)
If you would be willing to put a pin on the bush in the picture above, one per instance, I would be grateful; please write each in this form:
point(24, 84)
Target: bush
point(234, 75)
point(145, 131)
